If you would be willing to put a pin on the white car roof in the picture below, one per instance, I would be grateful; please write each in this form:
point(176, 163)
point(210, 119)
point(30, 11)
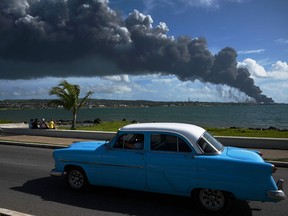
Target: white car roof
point(189, 131)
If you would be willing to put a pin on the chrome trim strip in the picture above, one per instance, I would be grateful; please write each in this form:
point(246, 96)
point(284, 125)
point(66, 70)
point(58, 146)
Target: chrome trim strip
point(277, 195)
point(56, 173)
point(280, 184)
point(104, 164)
point(122, 165)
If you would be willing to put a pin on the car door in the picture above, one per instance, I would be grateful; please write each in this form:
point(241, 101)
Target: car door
point(171, 164)
point(124, 165)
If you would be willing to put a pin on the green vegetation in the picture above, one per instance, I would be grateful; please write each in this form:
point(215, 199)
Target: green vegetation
point(244, 132)
point(5, 121)
point(68, 97)
point(241, 132)
point(113, 126)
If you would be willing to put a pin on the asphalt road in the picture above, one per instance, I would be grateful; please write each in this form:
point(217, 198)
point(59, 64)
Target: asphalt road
point(25, 186)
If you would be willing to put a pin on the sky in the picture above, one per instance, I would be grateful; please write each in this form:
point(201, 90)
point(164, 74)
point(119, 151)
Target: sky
point(161, 50)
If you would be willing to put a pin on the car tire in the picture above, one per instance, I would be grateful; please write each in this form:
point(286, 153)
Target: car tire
point(76, 179)
point(212, 201)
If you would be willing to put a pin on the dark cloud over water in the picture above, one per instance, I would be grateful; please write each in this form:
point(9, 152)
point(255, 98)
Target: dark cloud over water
point(86, 38)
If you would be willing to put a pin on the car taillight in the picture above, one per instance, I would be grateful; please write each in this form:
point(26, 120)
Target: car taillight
point(259, 153)
point(274, 169)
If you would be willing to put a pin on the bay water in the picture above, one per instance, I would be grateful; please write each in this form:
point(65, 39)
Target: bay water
point(230, 115)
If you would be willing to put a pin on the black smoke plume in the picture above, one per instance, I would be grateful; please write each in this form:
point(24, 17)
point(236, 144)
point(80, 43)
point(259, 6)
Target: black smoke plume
point(62, 38)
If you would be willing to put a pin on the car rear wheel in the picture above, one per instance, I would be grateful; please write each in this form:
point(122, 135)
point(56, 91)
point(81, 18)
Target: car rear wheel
point(76, 178)
point(212, 200)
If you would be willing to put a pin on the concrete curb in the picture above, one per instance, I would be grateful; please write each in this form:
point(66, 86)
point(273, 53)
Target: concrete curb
point(7, 212)
point(35, 145)
point(80, 134)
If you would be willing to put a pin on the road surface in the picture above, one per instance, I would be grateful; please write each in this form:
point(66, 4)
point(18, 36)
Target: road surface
point(25, 186)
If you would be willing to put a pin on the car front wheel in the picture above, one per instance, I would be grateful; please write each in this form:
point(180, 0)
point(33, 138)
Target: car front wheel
point(76, 178)
point(212, 200)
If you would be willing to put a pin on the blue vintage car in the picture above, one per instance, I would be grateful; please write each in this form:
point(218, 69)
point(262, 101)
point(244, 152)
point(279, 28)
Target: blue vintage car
point(172, 158)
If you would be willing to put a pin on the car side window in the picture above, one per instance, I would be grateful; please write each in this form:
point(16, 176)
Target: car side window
point(130, 141)
point(166, 142)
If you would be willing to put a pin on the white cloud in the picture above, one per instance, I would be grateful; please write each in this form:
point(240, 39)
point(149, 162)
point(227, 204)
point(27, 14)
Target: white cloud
point(280, 66)
point(201, 3)
point(278, 71)
point(169, 88)
point(164, 79)
point(26, 89)
point(244, 52)
point(183, 5)
point(208, 3)
point(277, 90)
point(118, 78)
point(273, 81)
point(255, 69)
point(282, 41)
point(149, 5)
point(111, 89)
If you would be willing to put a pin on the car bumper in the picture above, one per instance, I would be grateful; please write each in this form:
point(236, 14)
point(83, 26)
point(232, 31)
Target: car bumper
point(277, 195)
point(56, 173)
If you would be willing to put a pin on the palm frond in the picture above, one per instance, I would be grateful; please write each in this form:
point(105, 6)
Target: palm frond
point(88, 94)
point(68, 97)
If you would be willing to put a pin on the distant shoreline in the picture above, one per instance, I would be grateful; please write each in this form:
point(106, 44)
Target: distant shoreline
point(214, 116)
point(104, 103)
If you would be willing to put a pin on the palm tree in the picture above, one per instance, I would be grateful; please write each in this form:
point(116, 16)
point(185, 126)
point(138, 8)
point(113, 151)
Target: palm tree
point(68, 95)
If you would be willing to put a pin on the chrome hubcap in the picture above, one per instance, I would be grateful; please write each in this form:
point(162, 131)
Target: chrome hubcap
point(76, 179)
point(212, 199)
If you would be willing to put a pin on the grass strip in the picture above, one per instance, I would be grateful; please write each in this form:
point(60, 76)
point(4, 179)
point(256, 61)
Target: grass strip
point(241, 132)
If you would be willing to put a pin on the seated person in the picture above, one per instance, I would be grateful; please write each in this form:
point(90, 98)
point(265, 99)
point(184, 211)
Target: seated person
point(43, 124)
point(34, 124)
point(136, 143)
point(51, 124)
point(31, 123)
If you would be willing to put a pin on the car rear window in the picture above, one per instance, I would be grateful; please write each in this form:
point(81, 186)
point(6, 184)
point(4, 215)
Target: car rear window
point(166, 142)
point(209, 144)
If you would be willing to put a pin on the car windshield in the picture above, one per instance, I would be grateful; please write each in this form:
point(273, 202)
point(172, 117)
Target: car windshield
point(209, 144)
